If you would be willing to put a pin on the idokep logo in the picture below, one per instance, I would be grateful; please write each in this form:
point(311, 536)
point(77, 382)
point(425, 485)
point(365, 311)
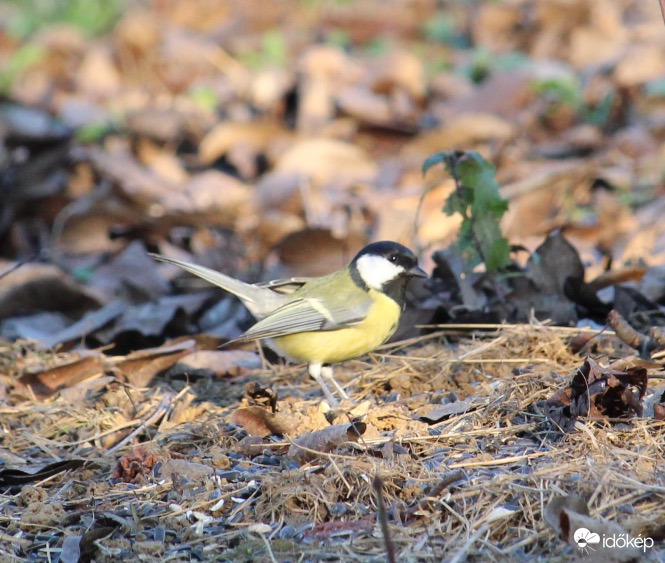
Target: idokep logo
point(588, 541)
point(585, 539)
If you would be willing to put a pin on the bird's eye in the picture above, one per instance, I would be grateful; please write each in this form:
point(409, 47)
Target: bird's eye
point(393, 257)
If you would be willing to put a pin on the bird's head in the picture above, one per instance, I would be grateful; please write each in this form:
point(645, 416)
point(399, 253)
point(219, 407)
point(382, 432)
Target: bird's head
point(385, 263)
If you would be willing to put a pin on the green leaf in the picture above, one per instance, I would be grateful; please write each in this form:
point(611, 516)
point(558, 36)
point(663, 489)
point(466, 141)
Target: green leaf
point(438, 158)
point(478, 200)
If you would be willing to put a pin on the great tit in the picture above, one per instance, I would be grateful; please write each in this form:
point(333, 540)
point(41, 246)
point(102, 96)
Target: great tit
point(327, 319)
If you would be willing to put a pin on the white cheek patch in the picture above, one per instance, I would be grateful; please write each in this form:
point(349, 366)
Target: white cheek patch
point(376, 270)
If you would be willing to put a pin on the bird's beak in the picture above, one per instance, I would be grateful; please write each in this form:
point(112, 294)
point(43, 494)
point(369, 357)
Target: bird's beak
point(417, 272)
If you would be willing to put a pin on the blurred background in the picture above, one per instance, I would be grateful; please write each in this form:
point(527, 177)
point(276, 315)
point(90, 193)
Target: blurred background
point(272, 139)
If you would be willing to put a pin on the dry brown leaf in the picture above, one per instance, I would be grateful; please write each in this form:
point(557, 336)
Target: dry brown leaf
point(599, 393)
point(142, 186)
point(139, 368)
point(461, 131)
point(48, 382)
point(222, 362)
point(97, 75)
point(223, 137)
point(367, 106)
point(315, 252)
point(219, 197)
point(642, 64)
point(42, 287)
point(328, 161)
point(138, 31)
point(258, 421)
point(439, 413)
point(592, 46)
point(325, 440)
point(134, 466)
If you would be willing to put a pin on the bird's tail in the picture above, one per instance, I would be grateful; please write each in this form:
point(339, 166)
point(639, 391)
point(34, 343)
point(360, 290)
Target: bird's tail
point(259, 300)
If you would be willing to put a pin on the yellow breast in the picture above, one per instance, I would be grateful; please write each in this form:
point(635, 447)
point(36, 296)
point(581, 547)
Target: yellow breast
point(338, 345)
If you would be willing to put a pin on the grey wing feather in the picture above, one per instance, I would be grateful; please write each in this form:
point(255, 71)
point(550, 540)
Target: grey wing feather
point(303, 315)
point(259, 300)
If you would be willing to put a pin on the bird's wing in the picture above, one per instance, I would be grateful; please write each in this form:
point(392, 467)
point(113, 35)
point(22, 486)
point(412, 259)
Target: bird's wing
point(307, 314)
point(286, 286)
point(259, 300)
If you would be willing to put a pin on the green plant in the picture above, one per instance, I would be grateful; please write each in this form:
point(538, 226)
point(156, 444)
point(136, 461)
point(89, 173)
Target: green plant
point(568, 91)
point(25, 57)
point(94, 17)
point(477, 199)
point(273, 51)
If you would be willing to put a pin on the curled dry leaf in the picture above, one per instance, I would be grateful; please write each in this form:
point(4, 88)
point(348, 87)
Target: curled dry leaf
point(325, 440)
point(48, 382)
point(442, 412)
point(659, 408)
point(261, 396)
point(599, 393)
point(134, 466)
point(258, 421)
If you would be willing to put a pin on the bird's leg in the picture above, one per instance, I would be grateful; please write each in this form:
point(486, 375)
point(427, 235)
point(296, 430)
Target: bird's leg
point(315, 371)
point(327, 373)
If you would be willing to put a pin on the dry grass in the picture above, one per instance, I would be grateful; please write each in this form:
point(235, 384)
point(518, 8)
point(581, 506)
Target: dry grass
point(471, 487)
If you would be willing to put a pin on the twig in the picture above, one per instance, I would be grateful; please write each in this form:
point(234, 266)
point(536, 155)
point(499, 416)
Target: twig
point(270, 553)
point(377, 483)
point(17, 265)
point(644, 344)
point(460, 555)
point(159, 412)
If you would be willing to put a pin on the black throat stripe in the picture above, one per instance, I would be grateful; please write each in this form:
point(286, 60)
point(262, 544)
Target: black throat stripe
point(357, 278)
point(396, 290)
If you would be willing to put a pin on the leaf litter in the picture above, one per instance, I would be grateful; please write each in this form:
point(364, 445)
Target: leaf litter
point(195, 481)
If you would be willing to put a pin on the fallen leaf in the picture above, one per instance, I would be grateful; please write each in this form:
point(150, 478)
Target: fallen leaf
point(328, 161)
point(259, 529)
point(222, 362)
point(224, 136)
point(598, 393)
point(325, 440)
point(13, 477)
point(441, 413)
point(258, 421)
point(569, 517)
point(182, 468)
point(85, 326)
point(48, 382)
point(71, 549)
point(134, 466)
point(43, 287)
point(219, 198)
point(315, 252)
point(139, 368)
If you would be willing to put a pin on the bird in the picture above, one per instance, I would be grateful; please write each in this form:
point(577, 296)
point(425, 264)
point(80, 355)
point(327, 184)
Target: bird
point(328, 319)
